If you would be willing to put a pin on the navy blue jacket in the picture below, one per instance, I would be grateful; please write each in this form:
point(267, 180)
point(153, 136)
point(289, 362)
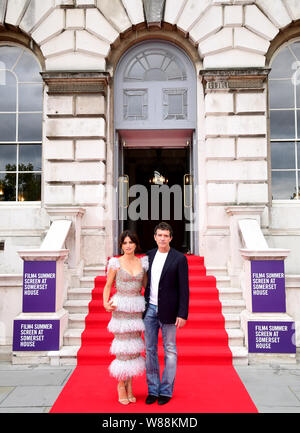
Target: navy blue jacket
point(173, 289)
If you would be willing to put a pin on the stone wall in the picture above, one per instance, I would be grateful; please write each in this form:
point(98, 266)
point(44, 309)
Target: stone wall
point(82, 35)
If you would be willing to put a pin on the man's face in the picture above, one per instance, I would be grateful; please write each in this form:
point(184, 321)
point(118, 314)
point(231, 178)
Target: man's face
point(162, 238)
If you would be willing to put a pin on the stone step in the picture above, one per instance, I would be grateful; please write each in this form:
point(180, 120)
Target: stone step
point(77, 306)
point(93, 271)
point(68, 355)
point(80, 293)
point(77, 320)
point(230, 293)
point(220, 271)
point(72, 337)
point(232, 320)
point(87, 281)
point(82, 305)
point(223, 281)
point(239, 355)
point(233, 305)
point(86, 293)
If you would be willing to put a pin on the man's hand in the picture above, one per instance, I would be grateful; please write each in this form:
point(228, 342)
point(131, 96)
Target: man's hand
point(180, 322)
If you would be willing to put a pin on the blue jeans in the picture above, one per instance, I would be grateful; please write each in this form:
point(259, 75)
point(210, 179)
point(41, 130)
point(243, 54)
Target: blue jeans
point(152, 325)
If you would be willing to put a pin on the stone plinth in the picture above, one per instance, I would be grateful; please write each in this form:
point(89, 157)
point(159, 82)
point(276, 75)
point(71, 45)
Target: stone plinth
point(41, 325)
point(270, 333)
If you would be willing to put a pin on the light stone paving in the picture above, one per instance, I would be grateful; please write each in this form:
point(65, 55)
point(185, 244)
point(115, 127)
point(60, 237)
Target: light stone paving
point(34, 389)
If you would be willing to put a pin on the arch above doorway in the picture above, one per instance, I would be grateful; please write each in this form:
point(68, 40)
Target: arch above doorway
point(155, 86)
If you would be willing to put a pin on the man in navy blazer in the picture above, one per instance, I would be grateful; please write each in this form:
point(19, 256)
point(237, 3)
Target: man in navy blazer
point(167, 303)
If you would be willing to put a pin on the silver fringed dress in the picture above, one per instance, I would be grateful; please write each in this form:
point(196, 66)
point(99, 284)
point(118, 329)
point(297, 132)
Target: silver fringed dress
point(126, 323)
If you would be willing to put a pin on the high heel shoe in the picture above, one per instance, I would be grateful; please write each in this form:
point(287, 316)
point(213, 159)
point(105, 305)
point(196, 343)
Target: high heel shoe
point(122, 400)
point(130, 395)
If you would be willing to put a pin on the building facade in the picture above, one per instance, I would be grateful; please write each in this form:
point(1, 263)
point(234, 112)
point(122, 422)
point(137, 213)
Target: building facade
point(103, 101)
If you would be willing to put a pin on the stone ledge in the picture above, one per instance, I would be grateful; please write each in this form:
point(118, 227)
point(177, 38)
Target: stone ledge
point(73, 82)
point(234, 78)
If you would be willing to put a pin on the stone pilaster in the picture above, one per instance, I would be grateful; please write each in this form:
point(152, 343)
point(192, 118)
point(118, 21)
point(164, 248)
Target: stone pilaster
point(235, 147)
point(75, 151)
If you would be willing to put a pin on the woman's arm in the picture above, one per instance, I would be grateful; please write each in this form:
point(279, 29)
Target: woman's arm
point(107, 289)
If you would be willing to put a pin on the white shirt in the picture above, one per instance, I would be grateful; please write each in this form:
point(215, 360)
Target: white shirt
point(156, 269)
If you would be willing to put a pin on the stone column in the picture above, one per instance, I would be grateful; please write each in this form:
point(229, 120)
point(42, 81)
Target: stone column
point(75, 153)
point(235, 151)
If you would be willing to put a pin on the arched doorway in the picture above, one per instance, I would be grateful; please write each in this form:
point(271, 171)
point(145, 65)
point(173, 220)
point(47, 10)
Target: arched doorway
point(155, 123)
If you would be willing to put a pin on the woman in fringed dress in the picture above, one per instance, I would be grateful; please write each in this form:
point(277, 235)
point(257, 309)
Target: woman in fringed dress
point(127, 306)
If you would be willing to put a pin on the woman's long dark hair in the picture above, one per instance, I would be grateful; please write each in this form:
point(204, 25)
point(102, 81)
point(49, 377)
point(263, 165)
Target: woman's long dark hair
point(132, 236)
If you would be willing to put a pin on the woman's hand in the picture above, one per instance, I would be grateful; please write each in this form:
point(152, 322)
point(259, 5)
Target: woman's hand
point(109, 307)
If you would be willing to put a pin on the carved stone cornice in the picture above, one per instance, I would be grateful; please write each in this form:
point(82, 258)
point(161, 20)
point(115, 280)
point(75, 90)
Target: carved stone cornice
point(71, 82)
point(234, 78)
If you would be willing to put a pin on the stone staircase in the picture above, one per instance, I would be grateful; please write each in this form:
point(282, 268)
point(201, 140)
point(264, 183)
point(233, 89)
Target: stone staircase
point(77, 305)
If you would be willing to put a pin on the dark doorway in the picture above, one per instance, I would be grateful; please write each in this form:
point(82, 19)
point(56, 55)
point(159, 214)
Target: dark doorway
point(161, 173)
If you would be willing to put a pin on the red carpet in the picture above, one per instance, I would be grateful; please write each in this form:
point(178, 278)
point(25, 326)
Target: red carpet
point(206, 381)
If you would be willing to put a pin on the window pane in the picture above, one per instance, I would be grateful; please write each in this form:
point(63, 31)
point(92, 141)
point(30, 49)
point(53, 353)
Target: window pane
point(283, 155)
point(155, 75)
point(295, 48)
point(30, 157)
point(27, 68)
point(8, 92)
point(30, 127)
point(281, 94)
point(8, 157)
point(30, 97)
point(283, 185)
point(282, 64)
point(174, 72)
point(7, 187)
point(29, 188)
point(7, 127)
point(155, 60)
point(298, 122)
point(9, 56)
point(282, 124)
point(297, 88)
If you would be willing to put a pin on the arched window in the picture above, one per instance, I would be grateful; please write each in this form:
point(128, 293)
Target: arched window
point(155, 88)
point(21, 91)
point(284, 94)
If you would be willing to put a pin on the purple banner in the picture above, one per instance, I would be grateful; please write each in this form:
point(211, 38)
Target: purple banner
point(39, 286)
point(271, 337)
point(268, 286)
point(36, 335)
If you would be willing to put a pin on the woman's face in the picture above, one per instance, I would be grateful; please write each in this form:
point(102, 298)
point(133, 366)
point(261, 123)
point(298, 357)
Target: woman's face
point(128, 246)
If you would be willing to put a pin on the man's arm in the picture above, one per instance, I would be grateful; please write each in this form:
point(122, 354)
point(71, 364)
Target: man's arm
point(183, 284)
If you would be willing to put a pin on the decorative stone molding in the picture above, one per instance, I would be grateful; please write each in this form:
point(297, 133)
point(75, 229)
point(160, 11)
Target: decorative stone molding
point(71, 82)
point(154, 11)
point(234, 79)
